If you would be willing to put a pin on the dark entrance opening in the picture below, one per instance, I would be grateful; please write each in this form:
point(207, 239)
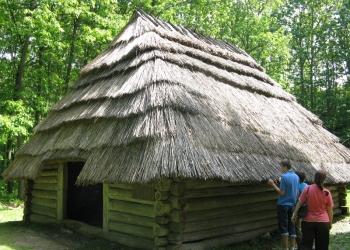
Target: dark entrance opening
point(83, 203)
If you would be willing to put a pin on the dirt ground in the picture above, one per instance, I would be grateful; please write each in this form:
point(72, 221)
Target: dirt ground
point(19, 235)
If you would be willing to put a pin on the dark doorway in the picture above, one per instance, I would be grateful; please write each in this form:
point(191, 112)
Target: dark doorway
point(83, 203)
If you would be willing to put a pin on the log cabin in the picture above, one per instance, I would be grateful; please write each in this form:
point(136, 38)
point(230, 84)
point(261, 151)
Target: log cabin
point(166, 142)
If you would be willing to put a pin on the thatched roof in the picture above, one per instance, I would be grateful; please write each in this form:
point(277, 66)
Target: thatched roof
point(162, 101)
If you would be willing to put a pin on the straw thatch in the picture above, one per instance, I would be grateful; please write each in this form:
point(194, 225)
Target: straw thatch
point(162, 101)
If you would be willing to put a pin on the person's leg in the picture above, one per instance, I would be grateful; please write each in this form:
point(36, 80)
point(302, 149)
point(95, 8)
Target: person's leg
point(322, 235)
point(282, 216)
point(298, 231)
point(308, 231)
point(291, 228)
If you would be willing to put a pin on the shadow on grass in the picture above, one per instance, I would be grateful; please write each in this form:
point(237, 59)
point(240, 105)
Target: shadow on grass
point(19, 235)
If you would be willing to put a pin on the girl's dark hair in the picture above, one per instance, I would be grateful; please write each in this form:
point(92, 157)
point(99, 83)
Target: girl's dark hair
point(286, 163)
point(320, 176)
point(301, 175)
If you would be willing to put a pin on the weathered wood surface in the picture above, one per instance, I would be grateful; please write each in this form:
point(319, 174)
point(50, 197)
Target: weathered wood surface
point(62, 186)
point(177, 202)
point(50, 212)
point(211, 243)
point(121, 185)
point(49, 172)
point(160, 241)
point(225, 191)
point(45, 186)
point(106, 212)
point(162, 207)
point(200, 184)
point(50, 166)
point(139, 231)
point(130, 240)
point(45, 194)
point(46, 179)
point(160, 230)
point(132, 208)
point(190, 227)
point(131, 219)
point(197, 204)
point(44, 202)
point(162, 220)
point(163, 185)
point(42, 219)
point(217, 232)
point(126, 195)
point(161, 195)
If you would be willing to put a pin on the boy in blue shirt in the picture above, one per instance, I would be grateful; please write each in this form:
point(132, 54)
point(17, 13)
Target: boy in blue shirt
point(288, 193)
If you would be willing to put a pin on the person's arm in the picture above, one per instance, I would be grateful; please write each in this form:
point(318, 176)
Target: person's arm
point(330, 215)
point(272, 184)
point(294, 216)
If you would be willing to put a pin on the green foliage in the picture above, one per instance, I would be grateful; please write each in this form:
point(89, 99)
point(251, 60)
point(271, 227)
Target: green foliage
point(5, 197)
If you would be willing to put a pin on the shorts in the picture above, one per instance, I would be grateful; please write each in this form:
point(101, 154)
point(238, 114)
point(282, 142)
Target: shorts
point(286, 226)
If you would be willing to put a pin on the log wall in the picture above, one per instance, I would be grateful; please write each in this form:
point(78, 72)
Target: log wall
point(206, 214)
point(41, 196)
point(129, 217)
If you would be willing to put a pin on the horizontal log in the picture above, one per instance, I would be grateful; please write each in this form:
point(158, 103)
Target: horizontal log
point(42, 219)
point(46, 179)
point(161, 195)
point(139, 231)
point(162, 207)
point(160, 230)
point(44, 194)
point(132, 208)
point(199, 184)
point(239, 228)
point(344, 210)
point(227, 201)
point(44, 202)
point(115, 193)
point(336, 211)
point(177, 202)
point(50, 166)
point(49, 172)
point(162, 220)
point(178, 188)
point(163, 185)
point(341, 196)
point(342, 202)
point(342, 189)
point(129, 240)
point(131, 219)
point(332, 188)
point(224, 191)
point(126, 195)
point(50, 212)
point(221, 222)
point(160, 241)
point(228, 211)
point(121, 185)
point(45, 186)
point(335, 194)
point(212, 243)
point(177, 215)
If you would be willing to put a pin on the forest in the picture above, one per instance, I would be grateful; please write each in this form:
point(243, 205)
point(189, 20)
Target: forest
point(302, 44)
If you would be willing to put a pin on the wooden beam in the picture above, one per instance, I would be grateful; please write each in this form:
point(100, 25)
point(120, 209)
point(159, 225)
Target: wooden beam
point(227, 201)
point(46, 179)
point(139, 231)
point(45, 186)
point(106, 213)
point(132, 208)
point(45, 194)
point(44, 202)
point(230, 211)
point(131, 219)
point(62, 185)
point(50, 212)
